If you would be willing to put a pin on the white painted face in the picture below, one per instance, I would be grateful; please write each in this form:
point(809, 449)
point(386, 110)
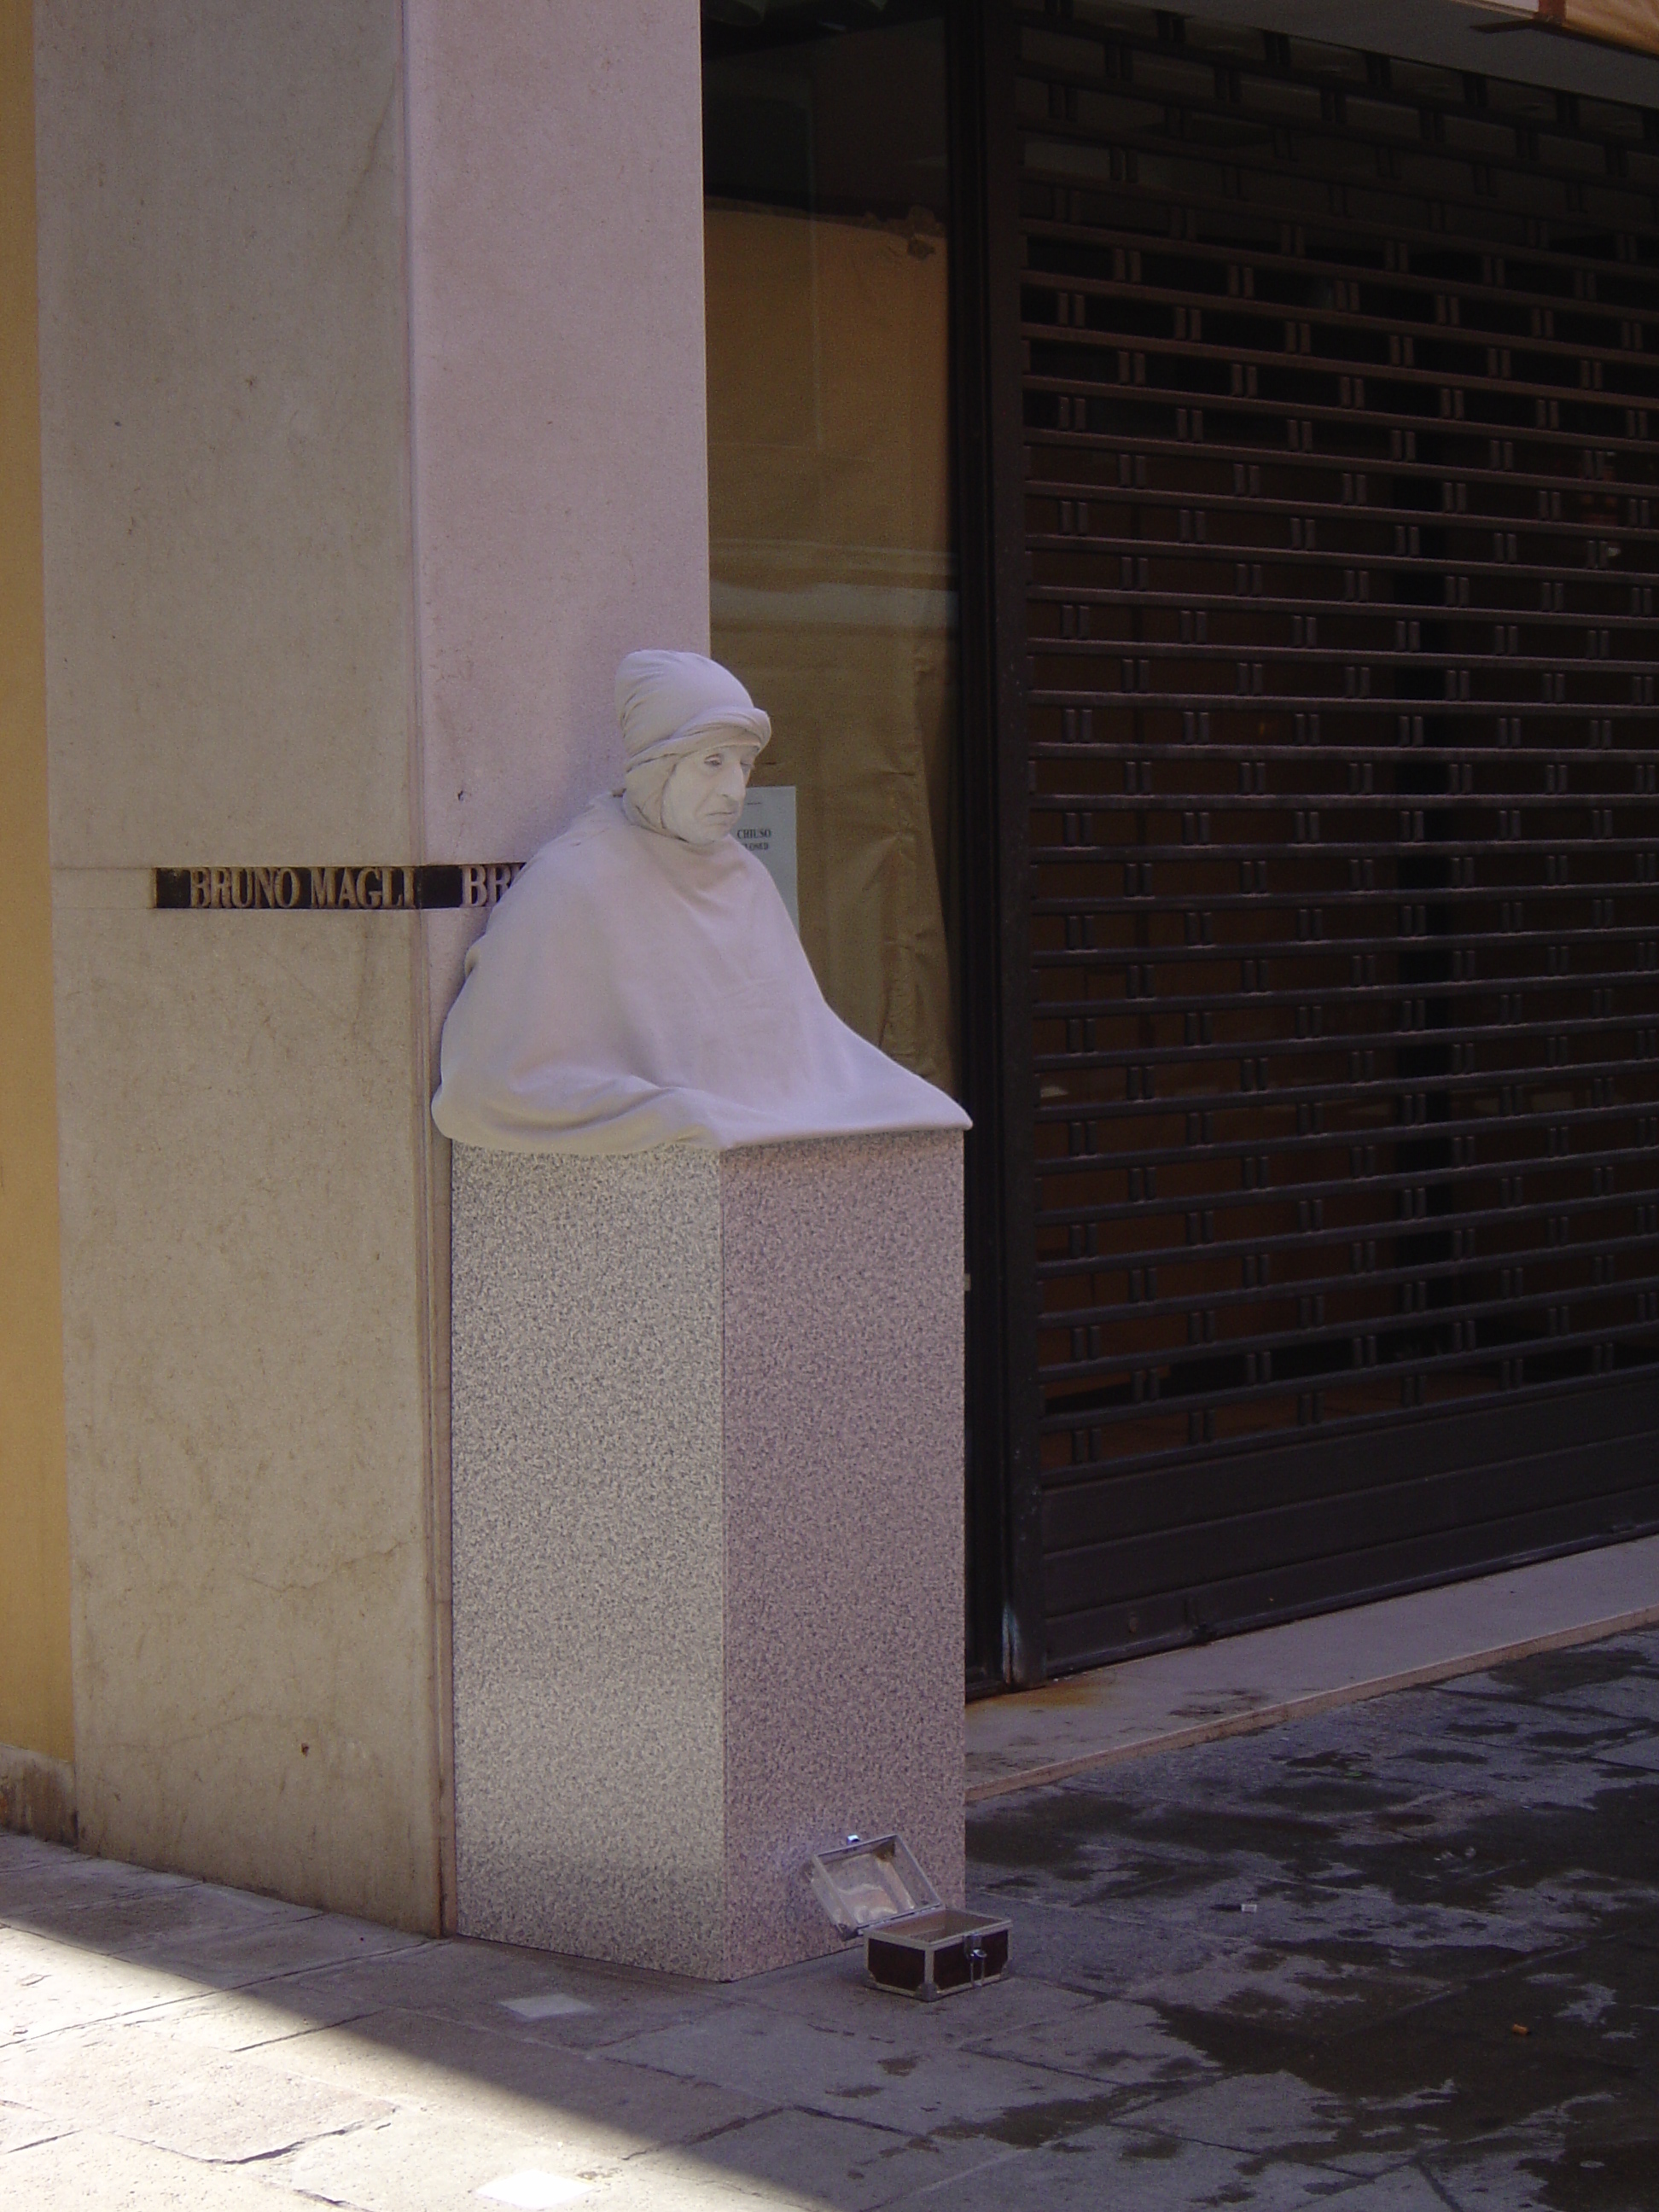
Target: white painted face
point(703, 797)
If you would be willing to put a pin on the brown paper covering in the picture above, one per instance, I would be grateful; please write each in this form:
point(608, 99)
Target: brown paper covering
point(833, 591)
point(1633, 23)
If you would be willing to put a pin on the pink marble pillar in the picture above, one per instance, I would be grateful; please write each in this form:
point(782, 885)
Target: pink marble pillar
point(708, 1547)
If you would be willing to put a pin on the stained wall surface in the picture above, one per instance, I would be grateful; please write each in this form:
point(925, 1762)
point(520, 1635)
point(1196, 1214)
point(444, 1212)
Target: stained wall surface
point(35, 1710)
point(242, 1096)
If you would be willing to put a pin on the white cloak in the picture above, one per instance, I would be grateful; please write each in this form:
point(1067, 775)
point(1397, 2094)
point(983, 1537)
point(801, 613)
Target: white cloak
point(632, 990)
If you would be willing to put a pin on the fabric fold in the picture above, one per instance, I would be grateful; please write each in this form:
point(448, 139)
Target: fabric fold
point(632, 991)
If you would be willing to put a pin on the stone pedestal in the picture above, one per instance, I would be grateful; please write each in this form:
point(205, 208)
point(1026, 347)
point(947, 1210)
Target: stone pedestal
point(707, 1456)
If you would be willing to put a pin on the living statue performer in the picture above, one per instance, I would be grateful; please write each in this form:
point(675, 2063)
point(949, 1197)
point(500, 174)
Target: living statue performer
point(641, 984)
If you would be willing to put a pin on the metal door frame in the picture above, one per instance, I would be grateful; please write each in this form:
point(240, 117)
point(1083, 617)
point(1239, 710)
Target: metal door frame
point(1004, 1490)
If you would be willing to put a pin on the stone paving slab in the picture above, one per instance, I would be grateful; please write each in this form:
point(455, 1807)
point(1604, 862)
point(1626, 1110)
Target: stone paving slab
point(20, 2127)
point(834, 1993)
point(804, 2158)
point(895, 2079)
point(1201, 1692)
point(502, 2078)
point(200, 2104)
point(424, 2161)
point(86, 2170)
point(1119, 2170)
point(1400, 1957)
point(47, 1985)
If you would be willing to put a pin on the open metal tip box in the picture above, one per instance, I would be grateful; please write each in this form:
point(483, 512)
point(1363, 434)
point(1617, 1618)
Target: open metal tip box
point(913, 1943)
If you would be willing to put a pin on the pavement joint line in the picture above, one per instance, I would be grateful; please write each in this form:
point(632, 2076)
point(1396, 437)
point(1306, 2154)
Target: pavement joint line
point(70, 1942)
point(967, 2173)
point(1411, 2163)
point(1254, 2150)
point(143, 2015)
point(1436, 2183)
point(1313, 1702)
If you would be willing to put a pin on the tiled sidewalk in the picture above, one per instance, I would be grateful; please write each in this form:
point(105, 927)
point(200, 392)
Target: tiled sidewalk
point(1284, 1969)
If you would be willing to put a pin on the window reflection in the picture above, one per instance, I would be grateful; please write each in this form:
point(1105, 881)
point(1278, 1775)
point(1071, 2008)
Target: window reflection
point(832, 576)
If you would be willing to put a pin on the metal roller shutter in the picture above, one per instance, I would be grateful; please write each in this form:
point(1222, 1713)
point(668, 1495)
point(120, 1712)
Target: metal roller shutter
point(1342, 526)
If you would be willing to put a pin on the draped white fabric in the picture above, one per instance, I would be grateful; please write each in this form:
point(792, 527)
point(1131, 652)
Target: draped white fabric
point(665, 701)
point(632, 990)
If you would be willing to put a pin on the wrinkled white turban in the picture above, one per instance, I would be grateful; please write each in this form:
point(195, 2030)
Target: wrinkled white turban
point(667, 703)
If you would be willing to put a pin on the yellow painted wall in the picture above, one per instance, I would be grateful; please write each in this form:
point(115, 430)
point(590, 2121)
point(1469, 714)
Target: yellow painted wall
point(34, 1615)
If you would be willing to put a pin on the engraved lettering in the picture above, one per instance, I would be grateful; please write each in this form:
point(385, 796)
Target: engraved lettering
point(378, 885)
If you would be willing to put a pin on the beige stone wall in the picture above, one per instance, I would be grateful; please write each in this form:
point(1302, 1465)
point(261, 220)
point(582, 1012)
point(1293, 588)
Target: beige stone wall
point(224, 357)
point(371, 343)
point(222, 347)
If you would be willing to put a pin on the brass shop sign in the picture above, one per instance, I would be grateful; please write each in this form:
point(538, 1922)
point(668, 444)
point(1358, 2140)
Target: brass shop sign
point(379, 887)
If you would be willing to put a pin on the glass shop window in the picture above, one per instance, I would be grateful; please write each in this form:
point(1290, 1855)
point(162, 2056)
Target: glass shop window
point(833, 578)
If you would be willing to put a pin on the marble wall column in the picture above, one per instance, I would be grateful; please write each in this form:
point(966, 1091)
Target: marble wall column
point(372, 413)
point(559, 388)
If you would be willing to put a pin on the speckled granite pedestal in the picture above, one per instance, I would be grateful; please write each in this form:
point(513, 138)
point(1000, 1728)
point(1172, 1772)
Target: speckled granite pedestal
point(708, 1539)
